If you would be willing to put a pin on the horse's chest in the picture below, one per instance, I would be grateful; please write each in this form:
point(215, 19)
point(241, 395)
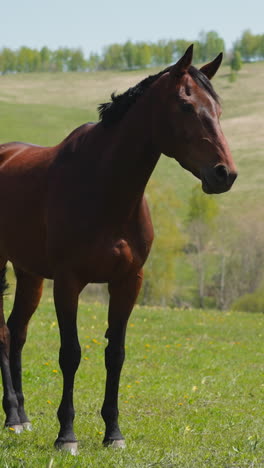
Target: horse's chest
point(117, 258)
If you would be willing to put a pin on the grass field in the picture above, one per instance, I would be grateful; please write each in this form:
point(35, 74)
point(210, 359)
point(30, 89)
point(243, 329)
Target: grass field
point(191, 392)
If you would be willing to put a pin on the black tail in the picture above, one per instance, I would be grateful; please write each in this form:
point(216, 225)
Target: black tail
point(3, 282)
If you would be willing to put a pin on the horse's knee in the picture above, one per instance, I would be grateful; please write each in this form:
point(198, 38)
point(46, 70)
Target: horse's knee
point(114, 357)
point(70, 356)
point(4, 338)
point(18, 335)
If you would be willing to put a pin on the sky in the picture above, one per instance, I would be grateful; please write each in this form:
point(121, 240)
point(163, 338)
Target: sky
point(92, 25)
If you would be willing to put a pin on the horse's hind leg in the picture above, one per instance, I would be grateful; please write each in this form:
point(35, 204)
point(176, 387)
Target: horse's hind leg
point(10, 403)
point(122, 299)
point(27, 297)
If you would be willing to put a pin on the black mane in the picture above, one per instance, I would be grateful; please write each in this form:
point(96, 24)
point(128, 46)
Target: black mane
point(113, 111)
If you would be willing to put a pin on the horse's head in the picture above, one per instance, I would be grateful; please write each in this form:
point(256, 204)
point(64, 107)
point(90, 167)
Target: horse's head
point(189, 127)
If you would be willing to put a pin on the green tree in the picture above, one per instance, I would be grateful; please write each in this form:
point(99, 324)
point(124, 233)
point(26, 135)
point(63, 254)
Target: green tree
point(93, 62)
point(210, 45)
point(202, 213)
point(248, 45)
point(168, 52)
point(180, 46)
point(240, 247)
point(45, 58)
point(261, 46)
point(28, 60)
point(7, 60)
point(113, 58)
point(202, 208)
point(197, 52)
point(159, 272)
point(76, 61)
point(129, 53)
point(143, 54)
point(162, 52)
point(236, 62)
point(60, 59)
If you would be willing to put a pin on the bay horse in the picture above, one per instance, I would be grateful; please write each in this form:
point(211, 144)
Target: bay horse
point(76, 213)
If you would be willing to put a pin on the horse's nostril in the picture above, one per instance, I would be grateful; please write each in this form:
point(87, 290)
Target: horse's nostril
point(221, 172)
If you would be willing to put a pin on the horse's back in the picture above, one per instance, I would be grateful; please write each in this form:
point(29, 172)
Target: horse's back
point(14, 148)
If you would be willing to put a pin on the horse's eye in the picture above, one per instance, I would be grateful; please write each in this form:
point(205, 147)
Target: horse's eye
point(187, 107)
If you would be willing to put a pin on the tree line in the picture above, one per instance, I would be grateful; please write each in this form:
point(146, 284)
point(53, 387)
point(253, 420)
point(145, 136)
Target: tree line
point(27, 60)
point(127, 56)
point(250, 46)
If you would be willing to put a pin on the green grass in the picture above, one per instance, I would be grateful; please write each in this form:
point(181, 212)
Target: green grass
point(191, 392)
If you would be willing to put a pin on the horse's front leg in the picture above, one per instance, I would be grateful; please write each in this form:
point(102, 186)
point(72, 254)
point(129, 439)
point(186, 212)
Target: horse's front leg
point(66, 293)
point(122, 299)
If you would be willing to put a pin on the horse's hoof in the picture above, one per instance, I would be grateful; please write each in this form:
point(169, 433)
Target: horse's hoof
point(15, 428)
point(71, 447)
point(120, 443)
point(27, 426)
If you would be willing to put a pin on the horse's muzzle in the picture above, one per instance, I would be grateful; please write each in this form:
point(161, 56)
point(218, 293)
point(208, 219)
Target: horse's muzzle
point(218, 179)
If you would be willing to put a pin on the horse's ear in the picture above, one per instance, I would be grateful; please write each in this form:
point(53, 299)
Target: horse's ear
point(183, 64)
point(211, 68)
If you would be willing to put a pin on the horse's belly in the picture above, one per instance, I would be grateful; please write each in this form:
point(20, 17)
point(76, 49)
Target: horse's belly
point(103, 263)
point(23, 239)
point(27, 254)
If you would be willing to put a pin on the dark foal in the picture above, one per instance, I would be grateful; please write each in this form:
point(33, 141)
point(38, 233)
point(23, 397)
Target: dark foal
point(76, 213)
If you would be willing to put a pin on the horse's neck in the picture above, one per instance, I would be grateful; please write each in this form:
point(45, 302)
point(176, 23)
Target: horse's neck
point(117, 161)
point(131, 158)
